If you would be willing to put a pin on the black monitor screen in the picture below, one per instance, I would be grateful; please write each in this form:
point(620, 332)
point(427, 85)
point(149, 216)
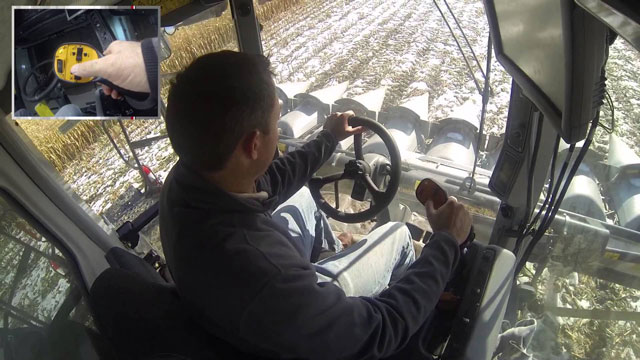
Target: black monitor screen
point(555, 51)
point(535, 42)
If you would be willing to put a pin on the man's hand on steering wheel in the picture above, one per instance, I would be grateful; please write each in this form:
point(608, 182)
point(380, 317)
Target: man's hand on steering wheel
point(338, 125)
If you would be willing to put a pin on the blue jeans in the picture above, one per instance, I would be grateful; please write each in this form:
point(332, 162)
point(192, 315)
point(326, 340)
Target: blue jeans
point(65, 111)
point(69, 110)
point(365, 268)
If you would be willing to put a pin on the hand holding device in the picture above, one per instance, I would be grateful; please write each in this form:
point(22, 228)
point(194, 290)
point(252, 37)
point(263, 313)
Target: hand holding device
point(445, 213)
point(121, 70)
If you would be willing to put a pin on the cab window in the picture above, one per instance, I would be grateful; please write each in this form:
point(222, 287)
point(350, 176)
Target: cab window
point(43, 312)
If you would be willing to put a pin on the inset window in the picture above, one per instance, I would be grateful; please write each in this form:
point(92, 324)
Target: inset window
point(86, 62)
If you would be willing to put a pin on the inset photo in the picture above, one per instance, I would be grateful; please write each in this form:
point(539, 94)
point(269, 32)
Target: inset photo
point(86, 62)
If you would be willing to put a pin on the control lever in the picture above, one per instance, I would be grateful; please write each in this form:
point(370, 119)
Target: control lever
point(428, 189)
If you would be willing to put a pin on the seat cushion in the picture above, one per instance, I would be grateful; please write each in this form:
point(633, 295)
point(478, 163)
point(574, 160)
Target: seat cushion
point(143, 316)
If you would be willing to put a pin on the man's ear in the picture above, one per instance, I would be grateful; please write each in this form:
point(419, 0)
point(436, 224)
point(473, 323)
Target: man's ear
point(250, 145)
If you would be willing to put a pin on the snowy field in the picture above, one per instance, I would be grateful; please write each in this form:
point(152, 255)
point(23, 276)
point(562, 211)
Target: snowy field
point(402, 45)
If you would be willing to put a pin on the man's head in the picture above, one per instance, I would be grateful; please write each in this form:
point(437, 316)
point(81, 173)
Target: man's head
point(222, 113)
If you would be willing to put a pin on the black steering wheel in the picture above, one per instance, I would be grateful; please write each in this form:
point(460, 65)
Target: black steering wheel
point(359, 171)
point(35, 95)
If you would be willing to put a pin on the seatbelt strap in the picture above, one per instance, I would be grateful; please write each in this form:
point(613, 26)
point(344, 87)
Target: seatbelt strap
point(43, 109)
point(319, 237)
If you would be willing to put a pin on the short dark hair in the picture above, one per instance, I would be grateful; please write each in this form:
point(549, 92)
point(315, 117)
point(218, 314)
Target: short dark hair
point(214, 103)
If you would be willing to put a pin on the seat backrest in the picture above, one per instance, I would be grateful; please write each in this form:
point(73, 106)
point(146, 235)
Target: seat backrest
point(476, 326)
point(143, 317)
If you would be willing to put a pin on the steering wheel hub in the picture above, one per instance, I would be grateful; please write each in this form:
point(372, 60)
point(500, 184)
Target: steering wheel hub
point(357, 168)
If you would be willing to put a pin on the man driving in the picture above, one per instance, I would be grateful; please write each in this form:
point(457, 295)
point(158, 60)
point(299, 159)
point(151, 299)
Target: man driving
point(240, 231)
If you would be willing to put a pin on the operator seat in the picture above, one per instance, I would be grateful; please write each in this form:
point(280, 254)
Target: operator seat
point(486, 278)
point(143, 317)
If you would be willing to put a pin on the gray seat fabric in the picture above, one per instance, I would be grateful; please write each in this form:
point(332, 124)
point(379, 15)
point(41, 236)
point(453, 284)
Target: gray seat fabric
point(476, 325)
point(484, 338)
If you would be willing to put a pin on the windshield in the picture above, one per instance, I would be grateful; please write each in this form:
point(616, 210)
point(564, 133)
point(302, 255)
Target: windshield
point(389, 54)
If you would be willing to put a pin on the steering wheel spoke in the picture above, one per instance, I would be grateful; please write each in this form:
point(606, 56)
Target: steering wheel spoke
point(320, 181)
point(375, 192)
point(357, 146)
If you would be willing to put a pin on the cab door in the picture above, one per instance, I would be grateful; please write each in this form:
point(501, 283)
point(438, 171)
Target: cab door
point(51, 251)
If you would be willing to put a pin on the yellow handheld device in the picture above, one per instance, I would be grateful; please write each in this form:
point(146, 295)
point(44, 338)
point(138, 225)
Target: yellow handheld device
point(70, 54)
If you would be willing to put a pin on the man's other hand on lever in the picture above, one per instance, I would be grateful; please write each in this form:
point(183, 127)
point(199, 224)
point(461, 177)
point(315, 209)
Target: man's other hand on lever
point(452, 218)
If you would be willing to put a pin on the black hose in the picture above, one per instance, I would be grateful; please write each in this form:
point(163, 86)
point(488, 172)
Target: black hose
point(527, 230)
point(464, 36)
point(475, 81)
point(549, 208)
point(546, 221)
point(36, 97)
point(532, 166)
point(556, 188)
point(551, 183)
point(610, 129)
point(542, 229)
point(485, 100)
point(574, 169)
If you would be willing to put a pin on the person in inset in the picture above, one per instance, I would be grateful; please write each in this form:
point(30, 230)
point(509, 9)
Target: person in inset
point(238, 229)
